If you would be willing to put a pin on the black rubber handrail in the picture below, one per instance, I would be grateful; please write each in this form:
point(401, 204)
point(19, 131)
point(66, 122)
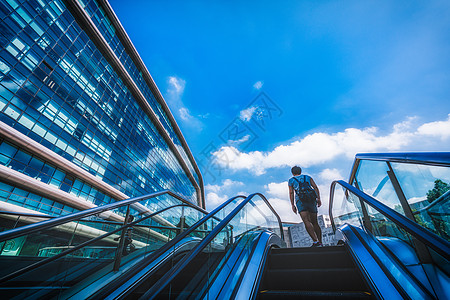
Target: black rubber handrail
point(169, 276)
point(430, 239)
point(82, 245)
point(27, 229)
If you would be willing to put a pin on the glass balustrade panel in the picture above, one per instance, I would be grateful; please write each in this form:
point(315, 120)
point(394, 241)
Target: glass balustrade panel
point(372, 178)
point(236, 239)
point(427, 190)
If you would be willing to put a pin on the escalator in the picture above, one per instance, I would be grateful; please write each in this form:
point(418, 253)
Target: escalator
point(190, 275)
point(384, 255)
point(212, 268)
point(258, 266)
point(84, 253)
point(312, 273)
point(238, 252)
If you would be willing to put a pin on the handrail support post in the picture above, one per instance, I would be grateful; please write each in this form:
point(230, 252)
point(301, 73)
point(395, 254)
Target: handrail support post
point(118, 257)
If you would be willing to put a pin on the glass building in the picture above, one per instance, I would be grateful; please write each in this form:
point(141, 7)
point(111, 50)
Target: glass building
point(82, 122)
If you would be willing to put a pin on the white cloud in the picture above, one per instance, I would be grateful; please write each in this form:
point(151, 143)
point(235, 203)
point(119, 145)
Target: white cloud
point(175, 92)
point(284, 209)
point(239, 141)
point(330, 174)
point(246, 114)
point(216, 194)
point(204, 116)
point(185, 114)
point(176, 86)
point(258, 85)
point(439, 129)
point(225, 184)
point(326, 153)
point(278, 190)
point(213, 200)
point(320, 148)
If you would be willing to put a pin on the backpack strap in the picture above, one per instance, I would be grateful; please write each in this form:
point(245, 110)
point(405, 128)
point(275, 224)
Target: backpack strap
point(296, 190)
point(298, 181)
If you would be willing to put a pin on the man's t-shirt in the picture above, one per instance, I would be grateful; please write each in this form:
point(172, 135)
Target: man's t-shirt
point(302, 178)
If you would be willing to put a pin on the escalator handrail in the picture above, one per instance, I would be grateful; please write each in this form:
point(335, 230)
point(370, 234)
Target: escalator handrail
point(169, 276)
point(182, 235)
point(82, 245)
point(27, 229)
point(430, 239)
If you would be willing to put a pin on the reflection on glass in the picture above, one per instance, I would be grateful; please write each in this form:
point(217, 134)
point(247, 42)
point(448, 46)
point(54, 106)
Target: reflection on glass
point(235, 239)
point(421, 184)
point(426, 190)
point(372, 178)
point(436, 216)
point(345, 208)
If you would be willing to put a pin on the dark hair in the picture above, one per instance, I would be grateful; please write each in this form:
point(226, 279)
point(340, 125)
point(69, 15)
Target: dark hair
point(296, 170)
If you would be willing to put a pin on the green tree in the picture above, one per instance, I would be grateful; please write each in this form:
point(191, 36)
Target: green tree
point(439, 189)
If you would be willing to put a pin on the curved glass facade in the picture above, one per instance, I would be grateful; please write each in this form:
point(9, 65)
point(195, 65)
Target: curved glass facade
point(58, 88)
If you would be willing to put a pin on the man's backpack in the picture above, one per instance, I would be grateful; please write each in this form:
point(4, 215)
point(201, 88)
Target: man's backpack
point(305, 192)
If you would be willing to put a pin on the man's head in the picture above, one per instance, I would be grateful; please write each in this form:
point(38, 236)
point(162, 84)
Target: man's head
point(296, 170)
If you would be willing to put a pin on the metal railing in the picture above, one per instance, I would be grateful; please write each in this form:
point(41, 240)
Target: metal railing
point(88, 243)
point(169, 276)
point(17, 232)
point(130, 285)
point(56, 221)
point(430, 239)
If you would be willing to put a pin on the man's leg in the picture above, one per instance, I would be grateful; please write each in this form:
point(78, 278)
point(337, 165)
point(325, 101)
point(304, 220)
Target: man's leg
point(315, 223)
point(308, 225)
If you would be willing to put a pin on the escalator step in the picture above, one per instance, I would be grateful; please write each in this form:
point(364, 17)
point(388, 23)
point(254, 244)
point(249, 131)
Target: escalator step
point(344, 279)
point(305, 260)
point(309, 249)
point(283, 294)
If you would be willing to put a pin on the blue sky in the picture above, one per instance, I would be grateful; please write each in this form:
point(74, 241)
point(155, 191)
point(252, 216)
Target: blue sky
point(310, 83)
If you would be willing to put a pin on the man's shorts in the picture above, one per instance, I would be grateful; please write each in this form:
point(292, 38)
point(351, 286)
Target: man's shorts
point(311, 207)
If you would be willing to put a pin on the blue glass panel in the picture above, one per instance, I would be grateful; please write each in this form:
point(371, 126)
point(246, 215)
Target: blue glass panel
point(5, 187)
point(36, 164)
point(65, 187)
point(49, 170)
point(23, 157)
point(7, 150)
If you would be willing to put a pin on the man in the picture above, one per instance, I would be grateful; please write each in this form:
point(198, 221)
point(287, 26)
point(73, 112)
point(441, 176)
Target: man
point(307, 199)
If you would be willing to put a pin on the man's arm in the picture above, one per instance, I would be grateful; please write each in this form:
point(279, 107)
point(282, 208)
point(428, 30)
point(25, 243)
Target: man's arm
point(291, 197)
point(316, 189)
